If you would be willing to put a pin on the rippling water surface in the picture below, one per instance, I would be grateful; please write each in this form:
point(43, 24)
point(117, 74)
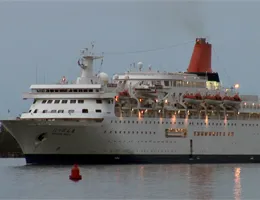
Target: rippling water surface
point(234, 181)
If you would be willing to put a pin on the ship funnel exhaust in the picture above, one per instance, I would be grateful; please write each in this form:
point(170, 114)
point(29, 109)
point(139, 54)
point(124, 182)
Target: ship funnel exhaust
point(201, 57)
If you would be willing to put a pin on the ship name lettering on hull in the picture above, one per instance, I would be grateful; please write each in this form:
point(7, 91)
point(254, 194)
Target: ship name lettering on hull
point(63, 131)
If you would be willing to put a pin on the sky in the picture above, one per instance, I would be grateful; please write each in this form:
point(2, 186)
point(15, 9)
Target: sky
point(46, 37)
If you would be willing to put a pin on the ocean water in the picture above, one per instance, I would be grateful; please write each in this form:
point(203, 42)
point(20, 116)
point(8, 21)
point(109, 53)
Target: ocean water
point(232, 181)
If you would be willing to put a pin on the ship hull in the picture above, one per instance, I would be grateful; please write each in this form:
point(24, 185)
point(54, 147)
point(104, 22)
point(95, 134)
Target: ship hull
point(137, 141)
point(88, 159)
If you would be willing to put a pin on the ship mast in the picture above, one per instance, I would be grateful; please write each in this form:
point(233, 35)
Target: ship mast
point(86, 65)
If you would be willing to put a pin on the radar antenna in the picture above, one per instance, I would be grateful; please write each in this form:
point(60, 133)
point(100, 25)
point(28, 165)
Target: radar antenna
point(92, 45)
point(86, 65)
point(102, 59)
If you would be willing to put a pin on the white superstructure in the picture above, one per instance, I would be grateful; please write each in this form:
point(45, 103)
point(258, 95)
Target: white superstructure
point(142, 116)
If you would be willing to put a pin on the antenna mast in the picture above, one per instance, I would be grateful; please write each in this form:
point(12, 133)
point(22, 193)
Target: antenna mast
point(36, 74)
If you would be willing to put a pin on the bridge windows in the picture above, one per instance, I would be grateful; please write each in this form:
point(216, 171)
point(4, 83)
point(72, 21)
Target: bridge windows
point(72, 101)
point(65, 90)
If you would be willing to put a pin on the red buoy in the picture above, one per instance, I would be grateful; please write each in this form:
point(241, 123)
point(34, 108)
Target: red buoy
point(75, 174)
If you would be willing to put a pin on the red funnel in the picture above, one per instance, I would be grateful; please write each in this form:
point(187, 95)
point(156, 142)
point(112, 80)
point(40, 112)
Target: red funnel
point(201, 57)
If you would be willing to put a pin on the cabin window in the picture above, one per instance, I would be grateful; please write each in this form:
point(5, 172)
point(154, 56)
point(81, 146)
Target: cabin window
point(30, 111)
point(35, 111)
point(98, 111)
point(64, 101)
point(80, 101)
point(44, 101)
point(73, 101)
point(44, 111)
point(57, 101)
point(97, 90)
point(90, 90)
point(49, 101)
point(166, 83)
point(53, 111)
point(60, 111)
point(84, 110)
point(34, 101)
point(71, 111)
point(98, 101)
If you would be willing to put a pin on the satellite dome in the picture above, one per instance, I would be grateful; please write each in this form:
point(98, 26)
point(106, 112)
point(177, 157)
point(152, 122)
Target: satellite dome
point(103, 77)
point(140, 65)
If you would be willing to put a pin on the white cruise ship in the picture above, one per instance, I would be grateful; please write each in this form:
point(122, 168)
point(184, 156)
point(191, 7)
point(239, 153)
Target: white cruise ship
point(140, 116)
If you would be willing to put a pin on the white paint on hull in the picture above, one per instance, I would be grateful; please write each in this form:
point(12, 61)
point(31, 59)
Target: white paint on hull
point(136, 136)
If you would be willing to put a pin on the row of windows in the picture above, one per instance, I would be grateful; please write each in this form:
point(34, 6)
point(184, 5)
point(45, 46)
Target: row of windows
point(144, 122)
point(141, 141)
point(184, 83)
point(142, 151)
point(67, 90)
point(252, 106)
point(156, 151)
point(249, 124)
point(199, 133)
point(181, 123)
point(196, 133)
point(62, 111)
point(72, 101)
point(137, 132)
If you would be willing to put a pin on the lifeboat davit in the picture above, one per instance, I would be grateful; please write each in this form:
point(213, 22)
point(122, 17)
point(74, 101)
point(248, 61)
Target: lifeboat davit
point(229, 100)
point(213, 99)
point(193, 99)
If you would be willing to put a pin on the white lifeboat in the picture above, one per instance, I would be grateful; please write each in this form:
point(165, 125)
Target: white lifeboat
point(213, 99)
point(229, 100)
point(145, 88)
point(193, 99)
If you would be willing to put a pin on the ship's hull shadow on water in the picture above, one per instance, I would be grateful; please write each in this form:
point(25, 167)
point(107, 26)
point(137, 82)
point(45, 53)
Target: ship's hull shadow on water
point(138, 159)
